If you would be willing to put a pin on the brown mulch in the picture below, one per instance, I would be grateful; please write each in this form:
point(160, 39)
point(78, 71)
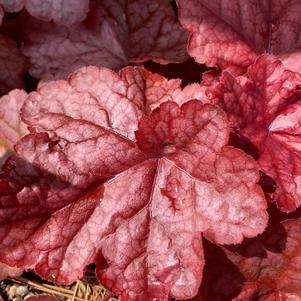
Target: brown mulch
point(86, 289)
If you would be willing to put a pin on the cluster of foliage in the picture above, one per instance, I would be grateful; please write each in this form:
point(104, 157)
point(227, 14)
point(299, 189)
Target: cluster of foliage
point(184, 183)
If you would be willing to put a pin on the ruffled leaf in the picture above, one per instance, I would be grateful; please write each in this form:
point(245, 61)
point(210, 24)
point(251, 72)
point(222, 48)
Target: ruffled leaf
point(117, 173)
point(265, 107)
point(231, 35)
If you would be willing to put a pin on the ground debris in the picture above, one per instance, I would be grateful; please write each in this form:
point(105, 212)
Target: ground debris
point(86, 289)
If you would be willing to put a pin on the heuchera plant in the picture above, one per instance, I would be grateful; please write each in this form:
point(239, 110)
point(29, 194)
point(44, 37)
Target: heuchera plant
point(173, 190)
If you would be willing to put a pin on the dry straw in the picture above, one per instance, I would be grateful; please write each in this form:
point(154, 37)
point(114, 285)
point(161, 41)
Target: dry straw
point(86, 289)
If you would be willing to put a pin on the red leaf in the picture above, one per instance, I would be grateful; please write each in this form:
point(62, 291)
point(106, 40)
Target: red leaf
point(114, 34)
point(264, 105)
point(11, 126)
point(276, 271)
point(280, 296)
point(7, 271)
point(252, 292)
point(161, 190)
point(232, 35)
point(249, 292)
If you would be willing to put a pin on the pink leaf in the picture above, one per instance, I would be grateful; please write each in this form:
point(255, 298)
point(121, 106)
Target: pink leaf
point(292, 61)
point(113, 35)
point(11, 126)
point(7, 271)
point(231, 36)
point(12, 64)
point(120, 174)
point(264, 105)
point(131, 92)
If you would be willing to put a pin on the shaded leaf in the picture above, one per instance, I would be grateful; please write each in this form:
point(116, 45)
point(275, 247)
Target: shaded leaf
point(63, 12)
point(12, 65)
point(114, 34)
point(222, 280)
point(275, 272)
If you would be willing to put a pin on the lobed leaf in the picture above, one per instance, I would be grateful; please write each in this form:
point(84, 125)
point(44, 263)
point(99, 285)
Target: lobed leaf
point(116, 172)
point(231, 36)
point(114, 34)
point(264, 106)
